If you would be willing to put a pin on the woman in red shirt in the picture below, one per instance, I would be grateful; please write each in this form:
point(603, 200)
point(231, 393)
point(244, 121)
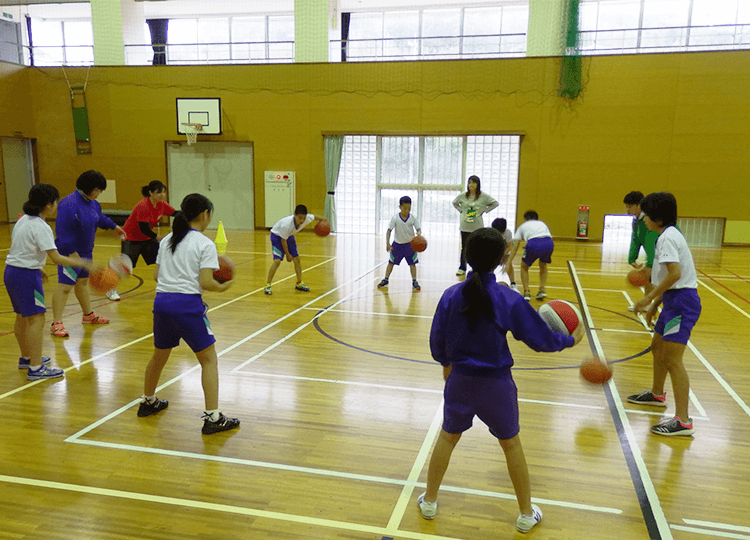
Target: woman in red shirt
point(140, 239)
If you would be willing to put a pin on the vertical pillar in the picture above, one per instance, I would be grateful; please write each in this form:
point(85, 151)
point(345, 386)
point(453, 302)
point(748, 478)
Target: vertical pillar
point(546, 33)
point(106, 18)
point(311, 30)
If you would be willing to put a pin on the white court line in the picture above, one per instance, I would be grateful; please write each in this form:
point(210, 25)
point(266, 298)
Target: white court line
point(709, 532)
point(648, 485)
point(693, 398)
point(720, 379)
point(403, 500)
point(187, 503)
point(722, 526)
point(375, 313)
point(662, 414)
point(732, 304)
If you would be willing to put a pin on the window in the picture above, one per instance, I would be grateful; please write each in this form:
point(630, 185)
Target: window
point(58, 42)
point(376, 171)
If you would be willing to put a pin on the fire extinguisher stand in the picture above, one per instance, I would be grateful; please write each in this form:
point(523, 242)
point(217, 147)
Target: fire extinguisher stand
point(583, 222)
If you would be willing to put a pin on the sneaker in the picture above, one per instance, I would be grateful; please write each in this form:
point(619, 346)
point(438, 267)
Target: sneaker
point(415, 285)
point(525, 523)
point(44, 372)
point(301, 287)
point(24, 363)
point(112, 295)
point(267, 289)
point(222, 424)
point(513, 287)
point(148, 408)
point(673, 427)
point(428, 509)
point(648, 398)
point(527, 296)
point(541, 295)
point(58, 330)
point(460, 272)
point(93, 318)
point(383, 283)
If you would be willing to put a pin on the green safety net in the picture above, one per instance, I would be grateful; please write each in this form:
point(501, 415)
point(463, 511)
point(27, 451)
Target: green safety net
point(570, 68)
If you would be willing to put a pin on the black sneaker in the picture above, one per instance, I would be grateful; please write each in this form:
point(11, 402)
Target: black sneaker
point(648, 398)
point(147, 409)
point(222, 424)
point(383, 283)
point(415, 285)
point(674, 427)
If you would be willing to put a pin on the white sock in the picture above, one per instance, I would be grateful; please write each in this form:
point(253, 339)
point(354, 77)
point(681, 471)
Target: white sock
point(213, 415)
point(148, 399)
point(35, 367)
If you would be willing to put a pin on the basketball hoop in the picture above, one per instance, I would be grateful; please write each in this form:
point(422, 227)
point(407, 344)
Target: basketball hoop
point(191, 131)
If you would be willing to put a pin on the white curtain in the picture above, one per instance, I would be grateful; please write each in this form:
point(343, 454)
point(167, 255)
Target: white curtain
point(334, 146)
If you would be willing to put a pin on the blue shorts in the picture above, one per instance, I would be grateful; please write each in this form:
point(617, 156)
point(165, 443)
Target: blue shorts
point(538, 248)
point(69, 275)
point(680, 311)
point(181, 316)
point(24, 286)
point(493, 400)
point(403, 251)
point(278, 249)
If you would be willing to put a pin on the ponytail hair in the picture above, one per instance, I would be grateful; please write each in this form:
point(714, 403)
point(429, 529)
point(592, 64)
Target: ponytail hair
point(153, 187)
point(484, 252)
point(40, 195)
point(192, 206)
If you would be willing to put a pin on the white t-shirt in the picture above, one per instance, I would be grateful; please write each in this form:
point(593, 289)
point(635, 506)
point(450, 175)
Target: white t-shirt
point(404, 230)
point(179, 272)
point(507, 237)
point(532, 229)
point(30, 240)
point(671, 247)
point(286, 227)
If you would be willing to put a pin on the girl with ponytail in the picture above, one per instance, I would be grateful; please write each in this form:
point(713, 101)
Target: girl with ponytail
point(31, 242)
point(468, 337)
point(184, 269)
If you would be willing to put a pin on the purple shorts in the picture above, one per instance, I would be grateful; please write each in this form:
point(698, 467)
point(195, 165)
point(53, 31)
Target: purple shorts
point(278, 249)
point(493, 400)
point(24, 286)
point(402, 251)
point(181, 316)
point(68, 275)
point(680, 311)
point(538, 248)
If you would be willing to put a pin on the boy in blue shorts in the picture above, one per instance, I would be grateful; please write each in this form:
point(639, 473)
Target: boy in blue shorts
point(404, 224)
point(539, 245)
point(676, 285)
point(283, 244)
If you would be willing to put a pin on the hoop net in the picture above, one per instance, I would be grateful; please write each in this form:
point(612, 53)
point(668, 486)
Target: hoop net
point(191, 132)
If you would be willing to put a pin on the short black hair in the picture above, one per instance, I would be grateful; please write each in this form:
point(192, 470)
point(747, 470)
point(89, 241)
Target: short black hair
point(404, 200)
point(500, 224)
point(91, 180)
point(153, 187)
point(661, 208)
point(531, 214)
point(301, 209)
point(40, 195)
point(634, 197)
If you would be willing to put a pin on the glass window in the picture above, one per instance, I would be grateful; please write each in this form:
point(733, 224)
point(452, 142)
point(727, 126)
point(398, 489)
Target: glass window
point(400, 160)
point(248, 38)
point(79, 42)
point(48, 42)
point(484, 22)
point(182, 37)
point(281, 29)
point(400, 30)
point(436, 25)
point(515, 21)
point(365, 26)
point(213, 34)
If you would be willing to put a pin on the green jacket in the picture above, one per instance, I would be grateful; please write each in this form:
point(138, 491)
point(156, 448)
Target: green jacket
point(642, 236)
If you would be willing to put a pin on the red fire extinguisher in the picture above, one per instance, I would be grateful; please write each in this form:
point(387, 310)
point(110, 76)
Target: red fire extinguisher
point(582, 229)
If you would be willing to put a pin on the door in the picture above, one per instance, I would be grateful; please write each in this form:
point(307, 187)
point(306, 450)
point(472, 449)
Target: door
point(222, 171)
point(19, 176)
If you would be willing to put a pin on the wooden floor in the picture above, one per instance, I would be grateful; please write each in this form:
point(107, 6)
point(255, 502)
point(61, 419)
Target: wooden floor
point(340, 403)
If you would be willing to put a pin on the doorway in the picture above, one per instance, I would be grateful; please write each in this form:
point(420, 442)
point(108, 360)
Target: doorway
point(18, 172)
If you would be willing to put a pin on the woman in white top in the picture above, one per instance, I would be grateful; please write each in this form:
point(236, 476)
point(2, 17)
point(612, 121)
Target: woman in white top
point(472, 205)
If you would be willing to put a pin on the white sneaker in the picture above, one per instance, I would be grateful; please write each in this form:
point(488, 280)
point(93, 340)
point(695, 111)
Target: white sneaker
point(429, 509)
point(112, 295)
point(513, 287)
point(526, 523)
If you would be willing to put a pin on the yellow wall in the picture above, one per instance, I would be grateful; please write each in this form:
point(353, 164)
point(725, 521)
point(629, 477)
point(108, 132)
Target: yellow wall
point(737, 232)
point(15, 102)
point(674, 122)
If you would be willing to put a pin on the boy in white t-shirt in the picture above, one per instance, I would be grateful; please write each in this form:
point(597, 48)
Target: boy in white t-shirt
point(501, 226)
point(676, 284)
point(539, 245)
point(404, 224)
point(283, 244)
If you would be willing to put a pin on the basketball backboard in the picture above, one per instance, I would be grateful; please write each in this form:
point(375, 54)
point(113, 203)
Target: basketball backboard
point(204, 111)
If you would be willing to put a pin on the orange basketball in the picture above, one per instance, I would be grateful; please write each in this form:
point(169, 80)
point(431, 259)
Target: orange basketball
point(595, 371)
point(226, 269)
point(323, 227)
point(103, 280)
point(418, 244)
point(637, 278)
